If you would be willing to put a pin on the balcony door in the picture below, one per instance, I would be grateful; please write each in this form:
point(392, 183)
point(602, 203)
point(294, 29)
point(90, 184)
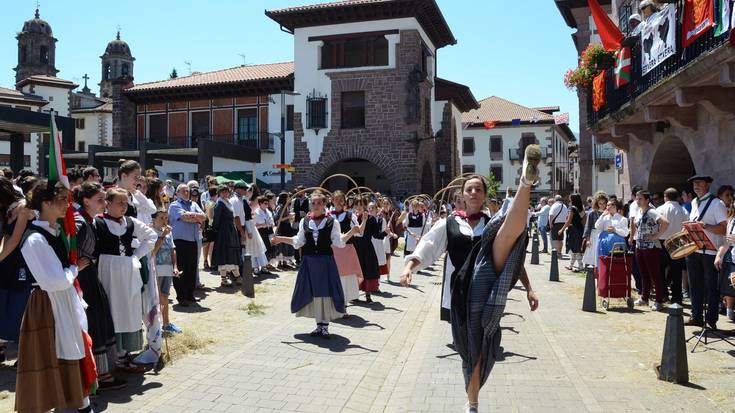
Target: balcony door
point(199, 127)
point(247, 127)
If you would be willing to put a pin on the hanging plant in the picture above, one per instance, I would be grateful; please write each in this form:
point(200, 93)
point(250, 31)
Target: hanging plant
point(597, 57)
point(579, 78)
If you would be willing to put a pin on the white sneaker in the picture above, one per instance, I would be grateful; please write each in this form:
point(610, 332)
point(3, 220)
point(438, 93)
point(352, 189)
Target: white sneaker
point(147, 357)
point(640, 302)
point(656, 306)
point(731, 314)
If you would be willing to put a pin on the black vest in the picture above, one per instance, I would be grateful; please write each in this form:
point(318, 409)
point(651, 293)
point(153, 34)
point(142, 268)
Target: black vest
point(459, 245)
point(346, 224)
point(323, 244)
point(132, 210)
point(110, 244)
point(56, 243)
point(415, 220)
point(379, 233)
point(13, 273)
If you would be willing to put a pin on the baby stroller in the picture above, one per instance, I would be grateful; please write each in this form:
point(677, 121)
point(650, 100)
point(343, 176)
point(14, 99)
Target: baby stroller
point(614, 271)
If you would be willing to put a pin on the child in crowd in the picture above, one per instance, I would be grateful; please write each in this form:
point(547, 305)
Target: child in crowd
point(166, 270)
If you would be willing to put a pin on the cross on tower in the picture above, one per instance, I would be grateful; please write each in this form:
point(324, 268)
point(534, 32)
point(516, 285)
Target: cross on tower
point(38, 6)
point(118, 32)
point(85, 77)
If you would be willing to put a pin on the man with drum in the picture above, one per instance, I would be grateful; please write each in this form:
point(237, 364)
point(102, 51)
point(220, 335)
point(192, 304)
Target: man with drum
point(711, 213)
point(676, 215)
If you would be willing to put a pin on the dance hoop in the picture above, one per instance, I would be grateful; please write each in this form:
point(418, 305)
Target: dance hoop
point(338, 176)
point(297, 193)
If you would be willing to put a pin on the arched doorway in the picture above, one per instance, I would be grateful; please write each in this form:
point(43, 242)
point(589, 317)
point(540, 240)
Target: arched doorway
point(363, 172)
point(671, 167)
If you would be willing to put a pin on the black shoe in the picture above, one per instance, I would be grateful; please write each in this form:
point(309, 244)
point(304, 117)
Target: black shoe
point(368, 299)
point(325, 332)
point(317, 332)
point(112, 385)
point(693, 323)
point(712, 326)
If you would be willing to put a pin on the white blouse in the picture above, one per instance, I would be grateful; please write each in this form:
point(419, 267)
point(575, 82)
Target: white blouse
point(619, 222)
point(434, 243)
point(144, 206)
point(262, 217)
point(58, 282)
point(299, 240)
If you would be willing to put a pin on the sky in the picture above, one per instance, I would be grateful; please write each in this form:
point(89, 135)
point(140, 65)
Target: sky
point(505, 48)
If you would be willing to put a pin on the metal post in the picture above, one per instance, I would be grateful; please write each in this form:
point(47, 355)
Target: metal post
point(589, 302)
point(534, 249)
point(674, 367)
point(554, 273)
point(283, 140)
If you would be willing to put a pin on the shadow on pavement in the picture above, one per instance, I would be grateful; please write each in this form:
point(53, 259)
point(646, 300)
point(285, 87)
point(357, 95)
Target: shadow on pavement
point(375, 306)
point(192, 308)
point(121, 396)
point(355, 321)
point(335, 343)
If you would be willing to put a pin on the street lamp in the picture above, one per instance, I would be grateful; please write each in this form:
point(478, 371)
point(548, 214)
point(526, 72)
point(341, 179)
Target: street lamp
point(283, 134)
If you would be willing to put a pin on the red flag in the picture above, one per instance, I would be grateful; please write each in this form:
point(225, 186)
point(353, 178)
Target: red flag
point(610, 34)
point(490, 124)
point(598, 92)
point(698, 18)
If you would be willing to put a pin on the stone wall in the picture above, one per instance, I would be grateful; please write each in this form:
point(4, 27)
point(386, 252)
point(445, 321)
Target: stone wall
point(447, 153)
point(395, 138)
point(123, 116)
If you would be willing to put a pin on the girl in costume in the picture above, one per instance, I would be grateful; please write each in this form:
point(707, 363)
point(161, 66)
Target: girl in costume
point(388, 215)
point(119, 270)
point(363, 243)
point(52, 344)
point(379, 238)
point(481, 287)
point(318, 291)
point(592, 234)
point(285, 252)
point(226, 252)
point(348, 263)
point(91, 198)
point(414, 222)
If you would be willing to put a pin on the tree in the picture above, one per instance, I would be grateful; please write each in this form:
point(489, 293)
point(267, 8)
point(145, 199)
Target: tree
point(173, 74)
point(493, 184)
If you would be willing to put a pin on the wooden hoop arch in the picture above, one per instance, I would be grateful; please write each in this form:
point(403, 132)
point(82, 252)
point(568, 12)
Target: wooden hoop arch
point(338, 176)
point(297, 193)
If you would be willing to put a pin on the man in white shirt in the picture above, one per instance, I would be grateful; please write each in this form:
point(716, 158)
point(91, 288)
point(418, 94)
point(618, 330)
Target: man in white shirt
point(557, 217)
point(711, 213)
point(543, 222)
point(676, 215)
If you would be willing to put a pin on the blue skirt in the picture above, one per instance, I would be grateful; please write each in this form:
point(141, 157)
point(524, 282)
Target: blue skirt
point(318, 277)
point(12, 306)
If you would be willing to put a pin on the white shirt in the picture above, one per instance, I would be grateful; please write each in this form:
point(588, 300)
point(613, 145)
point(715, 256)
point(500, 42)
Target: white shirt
point(262, 217)
point(617, 221)
point(58, 282)
point(144, 206)
point(716, 213)
point(299, 240)
point(675, 214)
point(560, 209)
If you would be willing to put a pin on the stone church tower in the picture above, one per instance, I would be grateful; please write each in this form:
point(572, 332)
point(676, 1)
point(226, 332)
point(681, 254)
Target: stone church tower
point(117, 63)
point(36, 50)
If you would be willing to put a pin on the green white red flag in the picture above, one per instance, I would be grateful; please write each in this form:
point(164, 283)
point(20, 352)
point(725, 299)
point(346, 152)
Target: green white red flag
point(57, 172)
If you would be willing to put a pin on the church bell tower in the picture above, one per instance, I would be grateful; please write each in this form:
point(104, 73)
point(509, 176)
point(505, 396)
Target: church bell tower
point(117, 63)
point(36, 49)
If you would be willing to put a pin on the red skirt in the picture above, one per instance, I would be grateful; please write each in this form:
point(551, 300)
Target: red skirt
point(370, 286)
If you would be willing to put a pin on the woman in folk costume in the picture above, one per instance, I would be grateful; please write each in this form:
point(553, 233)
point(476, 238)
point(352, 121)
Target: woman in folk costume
point(481, 287)
point(591, 233)
point(254, 245)
point(141, 207)
point(52, 343)
point(264, 224)
point(363, 243)
point(388, 215)
point(318, 292)
point(119, 270)
point(456, 235)
point(414, 222)
point(226, 251)
point(348, 263)
point(91, 198)
point(15, 287)
point(379, 238)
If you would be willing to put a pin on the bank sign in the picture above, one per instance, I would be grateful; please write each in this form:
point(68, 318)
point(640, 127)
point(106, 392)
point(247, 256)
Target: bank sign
point(658, 38)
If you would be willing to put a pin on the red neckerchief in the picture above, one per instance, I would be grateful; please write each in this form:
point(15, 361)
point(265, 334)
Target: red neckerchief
point(315, 217)
point(118, 220)
point(86, 216)
point(472, 217)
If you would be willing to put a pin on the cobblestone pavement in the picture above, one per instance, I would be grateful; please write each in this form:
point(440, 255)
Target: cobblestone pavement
point(393, 356)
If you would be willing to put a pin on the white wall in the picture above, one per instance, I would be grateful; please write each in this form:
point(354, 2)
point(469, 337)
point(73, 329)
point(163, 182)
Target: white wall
point(309, 78)
point(264, 170)
point(511, 136)
point(97, 128)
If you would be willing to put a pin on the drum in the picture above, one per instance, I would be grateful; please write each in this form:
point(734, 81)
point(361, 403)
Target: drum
point(680, 245)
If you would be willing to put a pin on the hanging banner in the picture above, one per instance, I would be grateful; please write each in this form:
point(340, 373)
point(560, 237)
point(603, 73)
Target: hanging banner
point(698, 18)
point(658, 38)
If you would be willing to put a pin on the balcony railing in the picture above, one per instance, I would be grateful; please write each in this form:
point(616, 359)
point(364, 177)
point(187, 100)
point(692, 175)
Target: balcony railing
point(617, 97)
point(263, 141)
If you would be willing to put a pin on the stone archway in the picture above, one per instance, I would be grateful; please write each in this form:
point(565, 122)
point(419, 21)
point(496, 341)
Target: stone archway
point(363, 172)
point(672, 165)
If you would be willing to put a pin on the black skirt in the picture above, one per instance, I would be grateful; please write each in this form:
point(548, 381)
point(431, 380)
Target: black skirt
point(99, 316)
point(368, 259)
point(265, 234)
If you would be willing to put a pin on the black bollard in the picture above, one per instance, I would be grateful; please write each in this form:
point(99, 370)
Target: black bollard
point(589, 303)
point(674, 367)
point(534, 251)
point(248, 285)
point(554, 273)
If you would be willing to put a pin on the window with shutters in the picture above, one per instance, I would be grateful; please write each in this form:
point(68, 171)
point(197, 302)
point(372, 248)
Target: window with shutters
point(466, 169)
point(496, 148)
point(497, 172)
point(468, 146)
point(353, 110)
point(289, 117)
point(354, 52)
point(316, 112)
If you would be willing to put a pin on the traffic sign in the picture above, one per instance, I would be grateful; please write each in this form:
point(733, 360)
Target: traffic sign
point(619, 161)
point(281, 166)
